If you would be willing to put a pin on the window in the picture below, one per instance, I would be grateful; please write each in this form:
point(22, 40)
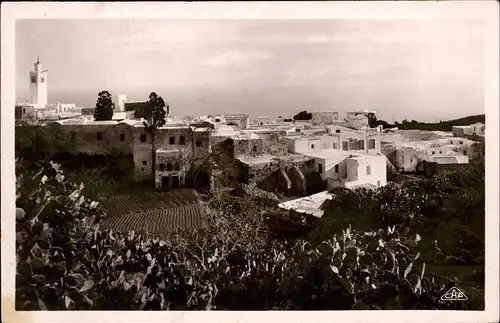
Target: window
point(334, 145)
point(177, 166)
point(440, 152)
point(42, 80)
point(143, 138)
point(312, 146)
point(99, 136)
point(182, 140)
point(337, 131)
point(336, 169)
point(254, 148)
point(24, 110)
point(122, 137)
point(33, 79)
point(361, 144)
point(368, 170)
point(320, 168)
point(161, 167)
point(344, 145)
point(169, 167)
point(461, 142)
point(433, 152)
point(144, 162)
point(371, 144)
point(411, 160)
point(465, 152)
point(297, 130)
point(171, 140)
point(198, 142)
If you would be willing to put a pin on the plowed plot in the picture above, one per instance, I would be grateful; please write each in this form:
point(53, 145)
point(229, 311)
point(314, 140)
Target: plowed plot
point(158, 222)
point(123, 204)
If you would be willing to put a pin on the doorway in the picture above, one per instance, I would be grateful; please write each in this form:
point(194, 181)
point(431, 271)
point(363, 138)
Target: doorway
point(175, 182)
point(166, 183)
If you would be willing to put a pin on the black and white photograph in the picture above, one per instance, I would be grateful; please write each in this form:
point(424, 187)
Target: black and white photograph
point(227, 158)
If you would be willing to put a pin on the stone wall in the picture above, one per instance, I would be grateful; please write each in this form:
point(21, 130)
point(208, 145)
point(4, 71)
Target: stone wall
point(170, 164)
point(95, 139)
point(269, 176)
point(250, 147)
point(274, 144)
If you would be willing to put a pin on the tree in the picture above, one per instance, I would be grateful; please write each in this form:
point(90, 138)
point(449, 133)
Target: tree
point(372, 120)
point(103, 107)
point(154, 118)
point(303, 115)
point(37, 138)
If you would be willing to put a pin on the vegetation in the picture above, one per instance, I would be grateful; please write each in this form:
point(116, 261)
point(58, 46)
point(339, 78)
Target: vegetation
point(64, 261)
point(104, 107)
point(154, 118)
point(303, 115)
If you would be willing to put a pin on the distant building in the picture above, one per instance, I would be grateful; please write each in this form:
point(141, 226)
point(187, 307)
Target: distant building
point(324, 117)
point(409, 156)
point(241, 121)
point(366, 113)
point(38, 106)
point(38, 86)
point(357, 121)
point(473, 129)
point(262, 121)
point(119, 101)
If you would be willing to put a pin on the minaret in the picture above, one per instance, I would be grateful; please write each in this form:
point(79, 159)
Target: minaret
point(38, 85)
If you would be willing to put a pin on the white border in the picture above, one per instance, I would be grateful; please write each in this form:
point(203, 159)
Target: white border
point(485, 10)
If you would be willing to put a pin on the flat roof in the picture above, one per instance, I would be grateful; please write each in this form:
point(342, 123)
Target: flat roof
point(309, 205)
point(255, 160)
point(329, 154)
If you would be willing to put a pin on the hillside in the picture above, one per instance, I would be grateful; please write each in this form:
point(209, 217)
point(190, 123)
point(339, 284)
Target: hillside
point(441, 126)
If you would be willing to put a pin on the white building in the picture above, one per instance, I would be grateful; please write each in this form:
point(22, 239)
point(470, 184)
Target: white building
point(366, 141)
point(406, 156)
point(358, 121)
point(343, 169)
point(462, 131)
point(38, 86)
point(119, 101)
point(38, 106)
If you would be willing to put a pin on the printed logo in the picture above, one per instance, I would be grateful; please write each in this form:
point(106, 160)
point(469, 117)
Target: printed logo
point(454, 294)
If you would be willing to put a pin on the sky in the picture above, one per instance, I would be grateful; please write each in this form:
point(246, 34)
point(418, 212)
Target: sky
point(425, 70)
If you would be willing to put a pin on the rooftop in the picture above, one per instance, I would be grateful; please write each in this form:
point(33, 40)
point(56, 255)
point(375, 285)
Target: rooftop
point(335, 154)
point(224, 131)
point(255, 160)
point(309, 204)
point(246, 136)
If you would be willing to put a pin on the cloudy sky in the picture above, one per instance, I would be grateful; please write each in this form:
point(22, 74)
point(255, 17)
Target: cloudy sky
point(413, 69)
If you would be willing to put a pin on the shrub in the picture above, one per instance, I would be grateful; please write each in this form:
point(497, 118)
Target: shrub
point(64, 261)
